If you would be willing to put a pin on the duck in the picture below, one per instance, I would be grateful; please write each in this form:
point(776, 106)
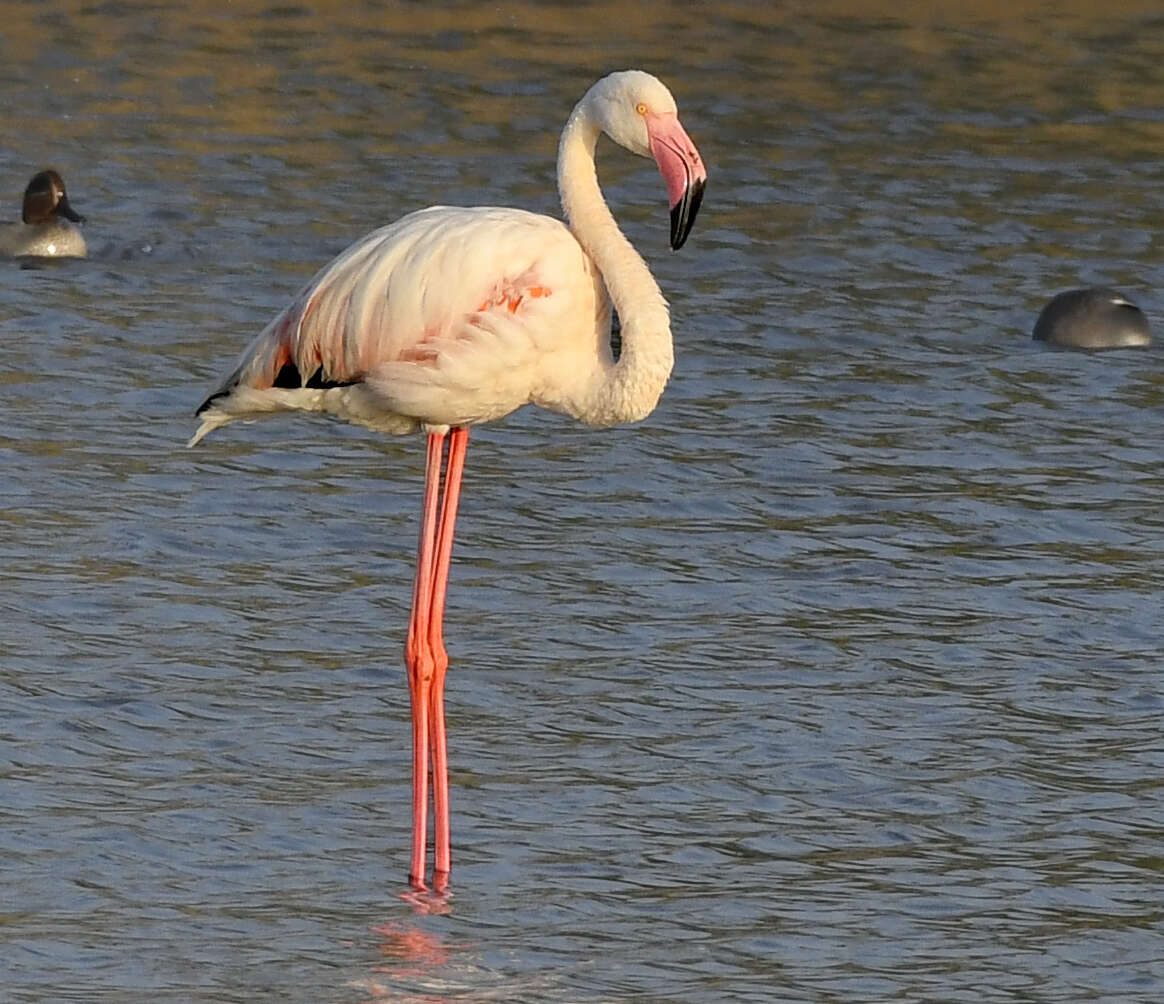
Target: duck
point(1097, 317)
point(47, 229)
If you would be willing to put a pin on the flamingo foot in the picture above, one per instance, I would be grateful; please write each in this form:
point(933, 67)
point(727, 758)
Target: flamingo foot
point(428, 903)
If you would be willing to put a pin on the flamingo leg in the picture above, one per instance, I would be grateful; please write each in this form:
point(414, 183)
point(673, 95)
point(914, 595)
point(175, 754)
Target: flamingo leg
point(425, 656)
point(458, 445)
point(418, 658)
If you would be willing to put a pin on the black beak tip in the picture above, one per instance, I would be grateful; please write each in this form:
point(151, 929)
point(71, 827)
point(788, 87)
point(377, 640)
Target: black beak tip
point(683, 214)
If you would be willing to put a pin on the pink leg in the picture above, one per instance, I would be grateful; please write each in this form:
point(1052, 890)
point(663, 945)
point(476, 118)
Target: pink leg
point(458, 445)
point(426, 658)
point(418, 659)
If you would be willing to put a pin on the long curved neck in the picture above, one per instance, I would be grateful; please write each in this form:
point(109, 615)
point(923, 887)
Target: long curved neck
point(630, 389)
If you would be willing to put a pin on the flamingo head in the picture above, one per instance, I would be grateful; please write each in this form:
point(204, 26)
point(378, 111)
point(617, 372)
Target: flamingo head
point(637, 111)
point(45, 198)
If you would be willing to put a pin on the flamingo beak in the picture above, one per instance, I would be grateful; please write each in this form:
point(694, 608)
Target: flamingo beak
point(682, 169)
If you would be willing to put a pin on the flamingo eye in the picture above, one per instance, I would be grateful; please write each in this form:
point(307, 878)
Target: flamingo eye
point(641, 108)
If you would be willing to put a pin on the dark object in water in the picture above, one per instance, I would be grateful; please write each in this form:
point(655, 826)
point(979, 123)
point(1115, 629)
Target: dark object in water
point(1093, 318)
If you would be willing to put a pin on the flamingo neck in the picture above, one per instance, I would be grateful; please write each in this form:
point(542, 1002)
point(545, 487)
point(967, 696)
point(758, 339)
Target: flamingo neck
point(628, 390)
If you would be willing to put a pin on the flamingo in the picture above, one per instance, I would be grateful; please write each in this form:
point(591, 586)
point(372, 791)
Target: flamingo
point(454, 316)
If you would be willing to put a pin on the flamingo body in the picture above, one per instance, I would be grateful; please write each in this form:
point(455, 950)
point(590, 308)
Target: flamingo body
point(454, 316)
point(448, 317)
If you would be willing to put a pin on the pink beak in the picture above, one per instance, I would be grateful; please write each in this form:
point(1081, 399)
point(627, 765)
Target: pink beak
point(682, 169)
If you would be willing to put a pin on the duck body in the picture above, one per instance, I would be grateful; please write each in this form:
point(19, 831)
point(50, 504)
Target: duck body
point(42, 240)
point(1094, 318)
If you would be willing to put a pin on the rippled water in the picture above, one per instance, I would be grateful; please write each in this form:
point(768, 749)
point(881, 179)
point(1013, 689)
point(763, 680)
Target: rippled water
point(837, 679)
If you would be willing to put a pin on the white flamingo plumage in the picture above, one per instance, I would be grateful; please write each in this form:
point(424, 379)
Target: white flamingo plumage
point(454, 316)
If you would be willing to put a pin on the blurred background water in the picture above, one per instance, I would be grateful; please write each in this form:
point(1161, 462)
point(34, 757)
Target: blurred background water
point(836, 679)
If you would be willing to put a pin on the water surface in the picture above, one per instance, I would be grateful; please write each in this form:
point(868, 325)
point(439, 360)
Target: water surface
point(836, 679)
